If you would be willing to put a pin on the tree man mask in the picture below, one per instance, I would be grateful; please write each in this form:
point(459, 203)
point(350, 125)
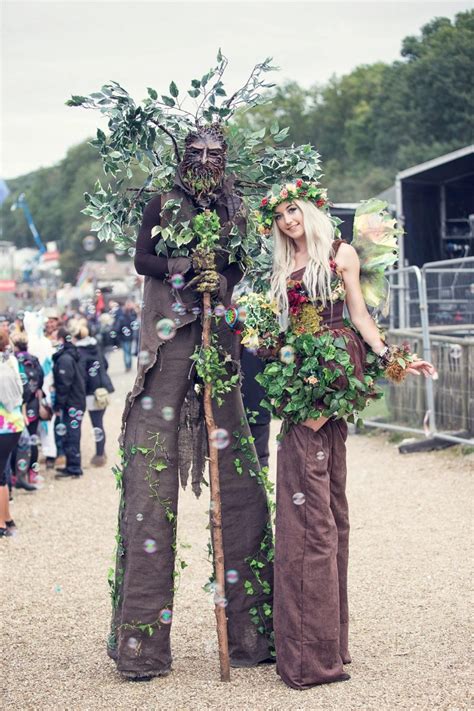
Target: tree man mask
point(203, 165)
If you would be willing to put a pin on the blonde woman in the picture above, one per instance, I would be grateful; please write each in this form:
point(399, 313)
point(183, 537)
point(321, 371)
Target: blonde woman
point(313, 276)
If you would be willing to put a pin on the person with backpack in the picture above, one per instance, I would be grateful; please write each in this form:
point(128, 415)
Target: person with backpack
point(70, 402)
point(11, 424)
point(32, 377)
point(98, 386)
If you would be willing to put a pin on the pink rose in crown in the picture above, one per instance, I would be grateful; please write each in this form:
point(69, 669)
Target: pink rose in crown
point(284, 193)
point(264, 202)
point(299, 183)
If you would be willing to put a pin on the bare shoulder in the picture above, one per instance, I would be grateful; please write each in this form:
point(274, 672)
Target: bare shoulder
point(346, 256)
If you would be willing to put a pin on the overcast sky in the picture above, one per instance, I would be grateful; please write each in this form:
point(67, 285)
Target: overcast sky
point(51, 50)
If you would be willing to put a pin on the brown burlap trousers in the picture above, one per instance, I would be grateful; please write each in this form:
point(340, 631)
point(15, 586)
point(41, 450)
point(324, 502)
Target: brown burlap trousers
point(311, 556)
point(145, 578)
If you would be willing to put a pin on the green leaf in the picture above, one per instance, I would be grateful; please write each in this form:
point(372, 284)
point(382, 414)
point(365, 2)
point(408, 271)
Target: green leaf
point(168, 101)
point(194, 93)
point(152, 93)
point(174, 91)
point(160, 466)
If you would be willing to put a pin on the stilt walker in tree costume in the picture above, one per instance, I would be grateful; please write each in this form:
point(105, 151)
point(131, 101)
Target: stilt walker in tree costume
point(196, 167)
point(322, 367)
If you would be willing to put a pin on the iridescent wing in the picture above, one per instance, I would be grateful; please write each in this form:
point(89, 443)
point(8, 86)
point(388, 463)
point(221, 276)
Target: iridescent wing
point(375, 240)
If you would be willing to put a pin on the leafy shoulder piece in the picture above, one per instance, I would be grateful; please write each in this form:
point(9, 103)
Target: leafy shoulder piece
point(375, 240)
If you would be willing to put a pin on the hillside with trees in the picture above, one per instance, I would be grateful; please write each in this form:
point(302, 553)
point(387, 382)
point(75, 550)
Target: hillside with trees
point(367, 125)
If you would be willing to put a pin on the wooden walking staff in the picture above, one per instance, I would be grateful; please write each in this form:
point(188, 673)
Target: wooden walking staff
point(206, 226)
point(216, 511)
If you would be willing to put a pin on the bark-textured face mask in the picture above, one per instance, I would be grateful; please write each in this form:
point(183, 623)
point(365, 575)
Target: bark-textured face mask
point(203, 164)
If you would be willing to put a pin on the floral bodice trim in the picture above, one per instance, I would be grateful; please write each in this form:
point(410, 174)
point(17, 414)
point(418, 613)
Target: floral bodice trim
point(305, 315)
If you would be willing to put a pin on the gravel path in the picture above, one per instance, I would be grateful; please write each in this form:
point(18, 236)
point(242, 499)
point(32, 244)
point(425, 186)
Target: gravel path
point(409, 592)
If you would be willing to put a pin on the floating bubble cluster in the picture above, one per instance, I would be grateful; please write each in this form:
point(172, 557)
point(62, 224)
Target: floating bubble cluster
point(299, 498)
point(166, 329)
point(220, 438)
point(146, 402)
point(287, 354)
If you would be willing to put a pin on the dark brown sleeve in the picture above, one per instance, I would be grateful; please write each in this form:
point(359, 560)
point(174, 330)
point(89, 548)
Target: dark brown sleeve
point(146, 260)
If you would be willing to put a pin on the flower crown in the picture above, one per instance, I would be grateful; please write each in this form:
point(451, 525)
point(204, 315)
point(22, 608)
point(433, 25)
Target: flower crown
point(300, 190)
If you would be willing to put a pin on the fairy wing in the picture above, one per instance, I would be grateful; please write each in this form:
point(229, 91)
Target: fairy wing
point(375, 240)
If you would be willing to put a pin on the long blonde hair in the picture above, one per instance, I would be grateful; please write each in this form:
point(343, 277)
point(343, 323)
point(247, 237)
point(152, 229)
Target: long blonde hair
point(319, 233)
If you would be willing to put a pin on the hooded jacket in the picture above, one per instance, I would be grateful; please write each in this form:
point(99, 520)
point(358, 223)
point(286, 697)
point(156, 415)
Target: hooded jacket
point(69, 378)
point(93, 365)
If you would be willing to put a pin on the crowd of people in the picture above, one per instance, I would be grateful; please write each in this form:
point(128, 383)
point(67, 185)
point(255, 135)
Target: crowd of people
point(54, 369)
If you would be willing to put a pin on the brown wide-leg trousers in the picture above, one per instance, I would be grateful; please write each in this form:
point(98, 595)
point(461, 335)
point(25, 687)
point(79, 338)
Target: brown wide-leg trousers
point(311, 556)
point(145, 578)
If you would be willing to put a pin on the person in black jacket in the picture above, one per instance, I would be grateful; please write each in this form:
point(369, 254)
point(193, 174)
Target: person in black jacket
point(70, 402)
point(125, 320)
point(94, 368)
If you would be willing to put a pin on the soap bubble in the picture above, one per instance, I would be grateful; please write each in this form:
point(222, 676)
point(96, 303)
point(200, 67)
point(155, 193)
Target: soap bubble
point(98, 434)
point(146, 402)
point(22, 465)
point(135, 325)
point(455, 351)
point(72, 412)
point(74, 424)
point(150, 546)
point(89, 243)
point(113, 334)
point(220, 438)
point(168, 413)
point(287, 354)
point(61, 429)
point(232, 576)
point(231, 315)
point(79, 415)
point(126, 332)
point(92, 372)
point(177, 281)
point(320, 455)
point(35, 467)
point(220, 601)
point(166, 616)
point(242, 313)
point(144, 358)
point(220, 310)
point(57, 588)
point(132, 643)
point(119, 250)
point(299, 498)
point(178, 308)
point(131, 252)
point(139, 517)
point(166, 329)
point(196, 310)
point(30, 414)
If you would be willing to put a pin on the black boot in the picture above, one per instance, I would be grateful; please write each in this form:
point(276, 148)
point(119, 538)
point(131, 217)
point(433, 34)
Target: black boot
point(23, 483)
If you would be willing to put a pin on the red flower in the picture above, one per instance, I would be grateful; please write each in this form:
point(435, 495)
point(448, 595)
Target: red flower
point(299, 183)
point(320, 202)
point(264, 202)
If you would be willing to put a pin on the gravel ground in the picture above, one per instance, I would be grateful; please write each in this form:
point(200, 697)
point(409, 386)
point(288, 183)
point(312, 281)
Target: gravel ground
point(409, 591)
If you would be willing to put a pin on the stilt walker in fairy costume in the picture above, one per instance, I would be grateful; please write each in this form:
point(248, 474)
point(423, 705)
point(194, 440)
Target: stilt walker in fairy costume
point(322, 368)
point(200, 173)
